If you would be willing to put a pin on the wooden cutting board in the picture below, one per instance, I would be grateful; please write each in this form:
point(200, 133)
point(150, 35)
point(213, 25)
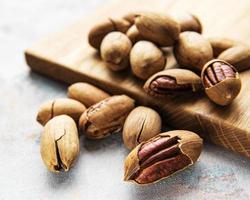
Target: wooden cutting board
point(66, 56)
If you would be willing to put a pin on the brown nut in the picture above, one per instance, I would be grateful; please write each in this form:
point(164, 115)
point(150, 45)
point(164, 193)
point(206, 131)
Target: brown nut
point(146, 59)
point(221, 44)
point(131, 16)
point(162, 156)
point(141, 124)
point(60, 143)
point(106, 117)
point(159, 28)
point(134, 35)
point(100, 30)
point(221, 81)
point(60, 106)
point(172, 82)
point(115, 49)
point(238, 56)
point(187, 21)
point(86, 93)
point(192, 51)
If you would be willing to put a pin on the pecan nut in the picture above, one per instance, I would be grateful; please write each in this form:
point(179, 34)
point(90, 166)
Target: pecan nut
point(60, 143)
point(221, 44)
point(187, 21)
point(86, 93)
point(105, 117)
point(192, 51)
point(162, 156)
point(146, 59)
point(172, 82)
point(100, 30)
point(61, 106)
point(221, 81)
point(158, 28)
point(115, 49)
point(238, 56)
point(141, 124)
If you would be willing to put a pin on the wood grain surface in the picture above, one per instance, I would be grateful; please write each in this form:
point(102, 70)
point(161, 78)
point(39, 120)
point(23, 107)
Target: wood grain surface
point(66, 56)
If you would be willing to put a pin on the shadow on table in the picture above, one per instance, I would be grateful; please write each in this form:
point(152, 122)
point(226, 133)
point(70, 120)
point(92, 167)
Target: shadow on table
point(44, 82)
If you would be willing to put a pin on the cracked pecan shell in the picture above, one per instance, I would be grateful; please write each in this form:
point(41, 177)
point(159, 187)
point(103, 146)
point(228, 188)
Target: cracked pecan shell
point(105, 117)
point(172, 82)
point(60, 106)
point(60, 143)
point(162, 156)
point(141, 124)
point(221, 81)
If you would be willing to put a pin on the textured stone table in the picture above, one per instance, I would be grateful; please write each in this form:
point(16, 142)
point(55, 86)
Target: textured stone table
point(98, 174)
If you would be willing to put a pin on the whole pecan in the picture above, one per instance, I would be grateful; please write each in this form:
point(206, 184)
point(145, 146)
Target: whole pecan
point(101, 29)
point(238, 56)
point(105, 117)
point(162, 156)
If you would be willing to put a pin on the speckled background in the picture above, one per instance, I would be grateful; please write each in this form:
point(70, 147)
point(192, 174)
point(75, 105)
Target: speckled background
point(98, 174)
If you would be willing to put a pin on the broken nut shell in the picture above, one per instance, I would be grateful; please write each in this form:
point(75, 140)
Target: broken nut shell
point(172, 82)
point(221, 82)
point(162, 156)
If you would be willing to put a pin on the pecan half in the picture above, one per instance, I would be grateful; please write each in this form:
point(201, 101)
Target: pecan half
point(172, 82)
point(162, 156)
point(221, 81)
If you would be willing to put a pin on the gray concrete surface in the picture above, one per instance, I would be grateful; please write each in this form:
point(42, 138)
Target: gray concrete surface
point(98, 174)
